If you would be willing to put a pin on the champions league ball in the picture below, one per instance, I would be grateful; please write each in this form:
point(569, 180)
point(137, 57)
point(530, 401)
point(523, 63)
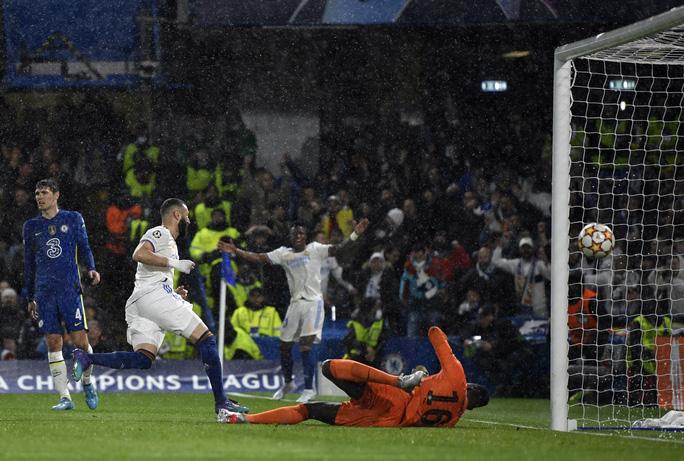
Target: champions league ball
point(596, 240)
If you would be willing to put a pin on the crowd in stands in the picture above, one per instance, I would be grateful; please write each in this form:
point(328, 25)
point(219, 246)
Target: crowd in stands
point(460, 241)
point(457, 241)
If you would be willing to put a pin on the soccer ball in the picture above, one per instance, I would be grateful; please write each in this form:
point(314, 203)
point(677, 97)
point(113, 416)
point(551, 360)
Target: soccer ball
point(596, 240)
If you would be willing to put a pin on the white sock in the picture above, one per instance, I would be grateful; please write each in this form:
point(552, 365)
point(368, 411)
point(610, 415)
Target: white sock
point(58, 370)
point(88, 371)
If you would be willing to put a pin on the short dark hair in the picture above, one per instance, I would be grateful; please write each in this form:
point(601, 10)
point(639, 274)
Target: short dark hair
point(47, 184)
point(478, 395)
point(297, 224)
point(170, 204)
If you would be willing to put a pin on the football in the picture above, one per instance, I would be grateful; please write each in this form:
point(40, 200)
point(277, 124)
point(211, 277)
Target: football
point(596, 240)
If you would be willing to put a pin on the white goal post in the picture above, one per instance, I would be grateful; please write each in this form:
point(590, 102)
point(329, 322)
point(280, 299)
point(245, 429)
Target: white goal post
point(590, 79)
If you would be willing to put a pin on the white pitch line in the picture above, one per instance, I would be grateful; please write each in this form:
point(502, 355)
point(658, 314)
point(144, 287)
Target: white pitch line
point(497, 423)
point(597, 434)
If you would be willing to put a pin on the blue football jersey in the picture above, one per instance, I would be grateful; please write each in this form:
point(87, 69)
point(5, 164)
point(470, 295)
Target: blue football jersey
point(51, 249)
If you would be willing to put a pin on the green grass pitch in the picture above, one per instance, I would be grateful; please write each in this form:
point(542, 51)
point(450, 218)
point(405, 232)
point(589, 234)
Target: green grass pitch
point(182, 426)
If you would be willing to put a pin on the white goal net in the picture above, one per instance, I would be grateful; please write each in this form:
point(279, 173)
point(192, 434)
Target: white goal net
point(617, 321)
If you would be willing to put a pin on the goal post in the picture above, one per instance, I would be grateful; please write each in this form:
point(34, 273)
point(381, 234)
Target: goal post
point(617, 114)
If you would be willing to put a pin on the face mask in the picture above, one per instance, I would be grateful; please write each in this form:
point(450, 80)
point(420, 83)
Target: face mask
point(141, 139)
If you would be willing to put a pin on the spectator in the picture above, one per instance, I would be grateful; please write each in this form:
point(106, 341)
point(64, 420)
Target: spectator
point(390, 230)
point(337, 217)
point(277, 219)
point(20, 211)
point(530, 273)
point(200, 173)
point(503, 354)
point(418, 291)
point(310, 207)
point(212, 200)
point(450, 258)
point(251, 320)
point(203, 250)
point(4, 255)
point(245, 281)
point(91, 171)
point(414, 227)
point(491, 283)
point(389, 291)
point(641, 347)
point(668, 279)
point(366, 333)
point(141, 178)
point(470, 223)
point(255, 318)
point(141, 148)
point(467, 313)
point(11, 317)
point(375, 280)
point(26, 177)
point(260, 192)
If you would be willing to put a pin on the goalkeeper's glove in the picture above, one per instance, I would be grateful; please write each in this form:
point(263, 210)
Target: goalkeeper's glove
point(183, 265)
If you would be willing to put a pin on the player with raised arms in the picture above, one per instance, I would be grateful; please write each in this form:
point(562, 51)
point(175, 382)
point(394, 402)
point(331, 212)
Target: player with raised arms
point(304, 317)
point(155, 307)
point(52, 284)
point(383, 400)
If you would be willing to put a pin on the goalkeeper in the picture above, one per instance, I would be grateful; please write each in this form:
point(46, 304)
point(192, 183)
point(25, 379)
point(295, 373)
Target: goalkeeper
point(383, 400)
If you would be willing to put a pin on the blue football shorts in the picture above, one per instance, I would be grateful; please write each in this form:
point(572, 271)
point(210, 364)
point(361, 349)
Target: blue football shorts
point(57, 308)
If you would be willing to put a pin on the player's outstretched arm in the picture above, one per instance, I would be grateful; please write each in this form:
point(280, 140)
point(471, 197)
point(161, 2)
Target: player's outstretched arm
point(440, 343)
point(359, 229)
point(145, 254)
point(230, 248)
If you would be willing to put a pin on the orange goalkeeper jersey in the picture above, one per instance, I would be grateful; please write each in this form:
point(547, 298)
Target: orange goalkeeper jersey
point(441, 399)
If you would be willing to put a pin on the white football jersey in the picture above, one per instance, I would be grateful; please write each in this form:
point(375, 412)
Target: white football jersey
point(146, 276)
point(303, 269)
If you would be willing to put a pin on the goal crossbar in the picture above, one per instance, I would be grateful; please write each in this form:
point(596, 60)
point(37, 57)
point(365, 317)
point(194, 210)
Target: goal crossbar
point(639, 31)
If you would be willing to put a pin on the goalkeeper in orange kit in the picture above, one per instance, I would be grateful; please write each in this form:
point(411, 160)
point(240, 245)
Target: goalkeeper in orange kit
point(383, 400)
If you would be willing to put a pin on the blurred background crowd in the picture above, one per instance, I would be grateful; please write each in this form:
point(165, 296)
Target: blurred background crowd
point(391, 124)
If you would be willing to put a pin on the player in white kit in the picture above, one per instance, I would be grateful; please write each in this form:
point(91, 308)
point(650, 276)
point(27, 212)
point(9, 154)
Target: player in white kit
point(155, 307)
point(304, 318)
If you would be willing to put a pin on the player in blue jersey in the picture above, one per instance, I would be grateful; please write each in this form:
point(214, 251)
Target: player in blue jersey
point(52, 284)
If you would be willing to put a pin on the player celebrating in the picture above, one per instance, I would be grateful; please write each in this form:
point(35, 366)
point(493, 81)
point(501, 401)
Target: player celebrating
point(52, 284)
point(155, 307)
point(304, 318)
point(384, 400)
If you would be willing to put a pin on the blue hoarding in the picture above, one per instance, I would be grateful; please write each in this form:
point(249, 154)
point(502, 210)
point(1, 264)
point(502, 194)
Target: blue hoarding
point(33, 377)
point(67, 43)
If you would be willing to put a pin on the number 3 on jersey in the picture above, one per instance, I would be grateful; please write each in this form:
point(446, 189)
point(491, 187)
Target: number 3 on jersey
point(54, 250)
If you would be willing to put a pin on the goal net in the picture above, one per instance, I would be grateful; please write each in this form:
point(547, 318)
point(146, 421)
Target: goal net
point(617, 344)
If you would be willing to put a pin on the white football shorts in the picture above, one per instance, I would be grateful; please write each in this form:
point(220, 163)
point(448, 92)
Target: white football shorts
point(303, 318)
point(154, 313)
